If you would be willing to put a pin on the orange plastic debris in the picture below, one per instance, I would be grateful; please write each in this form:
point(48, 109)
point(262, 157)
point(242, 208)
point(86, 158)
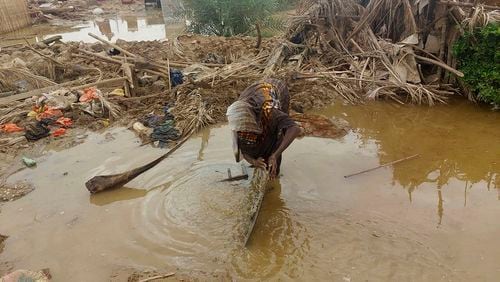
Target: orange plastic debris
point(89, 94)
point(48, 112)
point(65, 122)
point(59, 132)
point(10, 128)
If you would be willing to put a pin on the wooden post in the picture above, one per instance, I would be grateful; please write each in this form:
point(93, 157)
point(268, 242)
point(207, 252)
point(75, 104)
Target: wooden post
point(442, 46)
point(112, 45)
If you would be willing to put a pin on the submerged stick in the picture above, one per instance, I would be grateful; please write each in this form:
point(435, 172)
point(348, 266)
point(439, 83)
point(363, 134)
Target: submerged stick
point(384, 165)
point(105, 182)
point(157, 277)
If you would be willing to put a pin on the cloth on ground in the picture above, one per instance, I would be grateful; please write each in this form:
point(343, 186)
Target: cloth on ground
point(165, 132)
point(36, 131)
point(176, 77)
point(10, 128)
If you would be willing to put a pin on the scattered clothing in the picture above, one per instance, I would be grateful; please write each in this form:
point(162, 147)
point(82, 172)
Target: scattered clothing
point(59, 132)
point(176, 77)
point(36, 131)
point(45, 112)
point(165, 132)
point(10, 128)
point(89, 94)
point(153, 120)
point(64, 122)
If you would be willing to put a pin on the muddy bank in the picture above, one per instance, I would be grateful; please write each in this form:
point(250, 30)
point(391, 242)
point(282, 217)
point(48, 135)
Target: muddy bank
point(427, 219)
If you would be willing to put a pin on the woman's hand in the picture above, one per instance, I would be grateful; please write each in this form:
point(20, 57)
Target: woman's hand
point(273, 166)
point(259, 163)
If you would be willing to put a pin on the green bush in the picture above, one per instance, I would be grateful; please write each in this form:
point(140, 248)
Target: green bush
point(228, 17)
point(286, 4)
point(478, 55)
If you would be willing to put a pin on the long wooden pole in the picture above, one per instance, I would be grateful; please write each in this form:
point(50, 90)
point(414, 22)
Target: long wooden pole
point(112, 45)
point(384, 165)
point(99, 83)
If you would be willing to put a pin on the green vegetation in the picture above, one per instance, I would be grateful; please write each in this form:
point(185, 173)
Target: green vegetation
point(231, 17)
point(478, 56)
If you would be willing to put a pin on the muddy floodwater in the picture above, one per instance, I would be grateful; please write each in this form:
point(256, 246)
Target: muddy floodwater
point(151, 25)
point(434, 218)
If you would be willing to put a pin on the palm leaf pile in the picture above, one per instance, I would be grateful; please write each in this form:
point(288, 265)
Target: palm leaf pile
point(398, 49)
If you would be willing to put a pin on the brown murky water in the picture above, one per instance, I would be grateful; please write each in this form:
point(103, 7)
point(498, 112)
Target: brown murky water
point(434, 218)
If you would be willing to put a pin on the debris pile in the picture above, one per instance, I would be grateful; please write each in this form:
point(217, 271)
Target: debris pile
point(172, 87)
point(28, 275)
point(48, 10)
point(401, 50)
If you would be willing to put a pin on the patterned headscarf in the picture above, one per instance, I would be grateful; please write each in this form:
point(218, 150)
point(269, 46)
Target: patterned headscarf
point(241, 118)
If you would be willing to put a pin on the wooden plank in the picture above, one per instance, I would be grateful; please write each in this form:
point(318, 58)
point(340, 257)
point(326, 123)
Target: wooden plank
point(38, 92)
point(35, 92)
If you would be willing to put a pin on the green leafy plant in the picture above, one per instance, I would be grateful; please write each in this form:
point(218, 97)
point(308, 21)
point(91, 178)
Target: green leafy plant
point(227, 17)
point(478, 55)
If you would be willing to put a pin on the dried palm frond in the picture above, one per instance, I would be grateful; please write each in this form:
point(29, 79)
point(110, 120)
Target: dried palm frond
point(355, 49)
point(113, 109)
point(481, 18)
point(191, 113)
point(249, 66)
point(178, 49)
point(10, 76)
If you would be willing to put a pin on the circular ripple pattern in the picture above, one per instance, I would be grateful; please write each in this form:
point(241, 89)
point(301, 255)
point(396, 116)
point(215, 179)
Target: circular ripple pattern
point(195, 218)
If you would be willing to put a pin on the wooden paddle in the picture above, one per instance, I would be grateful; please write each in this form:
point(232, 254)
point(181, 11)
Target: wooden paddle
point(104, 182)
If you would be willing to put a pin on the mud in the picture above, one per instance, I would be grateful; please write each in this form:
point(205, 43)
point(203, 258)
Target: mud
point(428, 219)
point(14, 192)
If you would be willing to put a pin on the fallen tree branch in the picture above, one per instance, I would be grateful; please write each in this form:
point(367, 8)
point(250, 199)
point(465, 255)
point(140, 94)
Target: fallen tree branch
point(105, 182)
point(467, 5)
point(99, 56)
point(35, 92)
point(112, 45)
point(440, 64)
point(100, 83)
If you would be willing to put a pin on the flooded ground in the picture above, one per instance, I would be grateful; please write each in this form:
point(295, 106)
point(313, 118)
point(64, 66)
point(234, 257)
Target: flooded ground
point(150, 25)
point(429, 219)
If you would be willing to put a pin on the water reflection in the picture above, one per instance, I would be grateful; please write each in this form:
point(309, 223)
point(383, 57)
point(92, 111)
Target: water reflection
point(153, 24)
point(117, 195)
point(205, 136)
point(129, 28)
point(131, 22)
point(459, 142)
point(277, 242)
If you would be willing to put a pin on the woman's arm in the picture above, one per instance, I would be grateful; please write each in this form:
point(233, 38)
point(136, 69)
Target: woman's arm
point(290, 134)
